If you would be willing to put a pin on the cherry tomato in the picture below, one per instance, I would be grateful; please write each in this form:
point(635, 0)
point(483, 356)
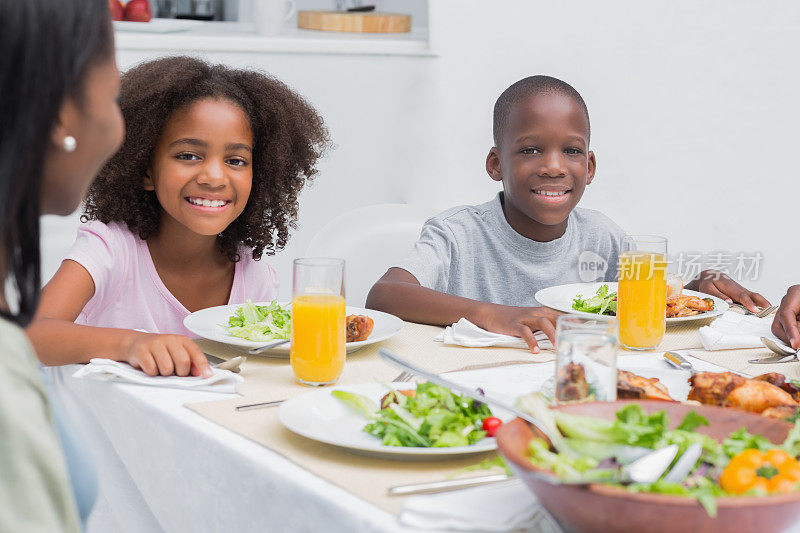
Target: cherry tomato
point(491, 425)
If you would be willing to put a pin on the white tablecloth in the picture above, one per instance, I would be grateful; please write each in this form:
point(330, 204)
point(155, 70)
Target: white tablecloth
point(165, 468)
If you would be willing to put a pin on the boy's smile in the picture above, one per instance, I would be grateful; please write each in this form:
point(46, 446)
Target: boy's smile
point(544, 163)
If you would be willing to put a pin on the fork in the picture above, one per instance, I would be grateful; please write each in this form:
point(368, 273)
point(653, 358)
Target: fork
point(761, 314)
point(402, 376)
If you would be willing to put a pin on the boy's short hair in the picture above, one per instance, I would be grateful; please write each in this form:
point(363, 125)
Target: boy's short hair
point(289, 138)
point(532, 86)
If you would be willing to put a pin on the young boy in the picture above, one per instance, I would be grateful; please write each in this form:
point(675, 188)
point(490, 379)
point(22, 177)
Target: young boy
point(486, 262)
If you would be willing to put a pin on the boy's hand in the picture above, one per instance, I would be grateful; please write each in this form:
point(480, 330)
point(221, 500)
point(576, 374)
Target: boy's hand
point(785, 325)
point(522, 322)
point(717, 284)
point(166, 355)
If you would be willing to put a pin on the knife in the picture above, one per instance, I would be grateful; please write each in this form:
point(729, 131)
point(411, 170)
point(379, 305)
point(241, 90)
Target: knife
point(679, 361)
point(450, 484)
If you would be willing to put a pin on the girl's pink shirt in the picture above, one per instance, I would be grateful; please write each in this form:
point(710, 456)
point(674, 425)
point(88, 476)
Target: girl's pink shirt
point(128, 291)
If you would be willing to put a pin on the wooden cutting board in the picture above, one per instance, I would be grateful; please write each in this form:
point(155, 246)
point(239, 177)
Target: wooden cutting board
point(370, 22)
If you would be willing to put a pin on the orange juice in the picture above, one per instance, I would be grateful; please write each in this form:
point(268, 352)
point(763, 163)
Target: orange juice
point(641, 299)
point(318, 338)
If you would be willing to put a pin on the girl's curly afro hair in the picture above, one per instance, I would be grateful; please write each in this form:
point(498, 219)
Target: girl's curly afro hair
point(288, 134)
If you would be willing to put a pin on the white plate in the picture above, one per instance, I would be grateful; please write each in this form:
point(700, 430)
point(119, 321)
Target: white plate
point(561, 297)
point(319, 416)
point(209, 324)
point(157, 25)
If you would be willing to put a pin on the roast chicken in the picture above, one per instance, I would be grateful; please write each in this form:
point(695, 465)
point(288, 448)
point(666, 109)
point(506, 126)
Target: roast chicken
point(634, 387)
point(756, 395)
point(680, 305)
point(358, 327)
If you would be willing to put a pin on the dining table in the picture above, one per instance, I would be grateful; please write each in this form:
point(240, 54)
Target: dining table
point(184, 460)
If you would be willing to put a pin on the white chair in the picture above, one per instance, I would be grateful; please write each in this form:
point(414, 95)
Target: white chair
point(370, 239)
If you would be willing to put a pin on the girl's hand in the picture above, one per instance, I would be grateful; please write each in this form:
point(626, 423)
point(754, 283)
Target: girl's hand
point(522, 322)
point(785, 325)
point(166, 355)
point(717, 284)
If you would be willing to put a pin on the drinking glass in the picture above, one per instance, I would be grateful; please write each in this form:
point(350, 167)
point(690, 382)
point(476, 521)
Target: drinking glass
point(642, 293)
point(317, 351)
point(586, 361)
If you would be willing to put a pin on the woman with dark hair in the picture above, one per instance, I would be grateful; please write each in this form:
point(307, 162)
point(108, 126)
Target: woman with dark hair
point(59, 123)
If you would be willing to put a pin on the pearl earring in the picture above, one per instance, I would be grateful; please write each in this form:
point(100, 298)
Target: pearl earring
point(70, 143)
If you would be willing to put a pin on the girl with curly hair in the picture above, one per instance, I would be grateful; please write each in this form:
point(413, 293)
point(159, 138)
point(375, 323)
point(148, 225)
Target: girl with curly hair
point(205, 183)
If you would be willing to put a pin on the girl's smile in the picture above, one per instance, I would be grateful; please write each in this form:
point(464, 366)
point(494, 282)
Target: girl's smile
point(202, 168)
point(208, 205)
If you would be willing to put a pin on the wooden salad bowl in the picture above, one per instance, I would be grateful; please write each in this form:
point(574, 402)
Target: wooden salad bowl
point(609, 509)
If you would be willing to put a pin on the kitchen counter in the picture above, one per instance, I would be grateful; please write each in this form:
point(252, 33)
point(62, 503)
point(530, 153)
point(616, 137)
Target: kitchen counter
point(241, 37)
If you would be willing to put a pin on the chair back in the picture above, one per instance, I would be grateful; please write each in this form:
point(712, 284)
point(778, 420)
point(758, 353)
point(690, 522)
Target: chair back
point(370, 239)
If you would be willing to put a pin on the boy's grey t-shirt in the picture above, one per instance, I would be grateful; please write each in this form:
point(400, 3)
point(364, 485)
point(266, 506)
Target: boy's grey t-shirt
point(472, 251)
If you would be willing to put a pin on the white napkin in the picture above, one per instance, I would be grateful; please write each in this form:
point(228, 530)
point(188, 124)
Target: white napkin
point(465, 333)
point(733, 330)
point(503, 506)
point(108, 370)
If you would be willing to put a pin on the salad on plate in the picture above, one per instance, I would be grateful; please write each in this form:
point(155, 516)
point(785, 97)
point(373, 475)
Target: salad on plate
point(260, 322)
point(602, 303)
point(428, 416)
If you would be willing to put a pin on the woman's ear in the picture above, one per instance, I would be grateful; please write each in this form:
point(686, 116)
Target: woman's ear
point(493, 164)
point(147, 182)
point(592, 167)
point(64, 126)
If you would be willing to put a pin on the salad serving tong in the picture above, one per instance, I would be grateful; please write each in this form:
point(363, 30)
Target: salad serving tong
point(677, 474)
point(645, 469)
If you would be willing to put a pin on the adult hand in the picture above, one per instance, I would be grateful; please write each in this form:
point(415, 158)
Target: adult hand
point(166, 355)
point(785, 325)
point(522, 322)
point(718, 284)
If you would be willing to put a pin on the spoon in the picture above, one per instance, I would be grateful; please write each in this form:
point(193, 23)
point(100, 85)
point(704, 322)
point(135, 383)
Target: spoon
point(787, 354)
point(646, 469)
point(233, 364)
point(778, 347)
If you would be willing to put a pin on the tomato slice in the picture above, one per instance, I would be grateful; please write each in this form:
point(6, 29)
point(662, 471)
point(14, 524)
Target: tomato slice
point(491, 425)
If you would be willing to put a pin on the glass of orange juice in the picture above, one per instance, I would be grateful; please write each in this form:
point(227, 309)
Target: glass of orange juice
point(318, 320)
point(642, 294)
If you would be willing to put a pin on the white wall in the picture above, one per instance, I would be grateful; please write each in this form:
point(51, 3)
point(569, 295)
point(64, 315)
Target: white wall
point(693, 106)
point(371, 105)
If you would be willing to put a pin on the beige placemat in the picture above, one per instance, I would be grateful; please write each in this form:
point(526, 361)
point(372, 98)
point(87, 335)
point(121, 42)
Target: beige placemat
point(272, 376)
point(269, 378)
point(737, 360)
point(368, 477)
point(685, 336)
